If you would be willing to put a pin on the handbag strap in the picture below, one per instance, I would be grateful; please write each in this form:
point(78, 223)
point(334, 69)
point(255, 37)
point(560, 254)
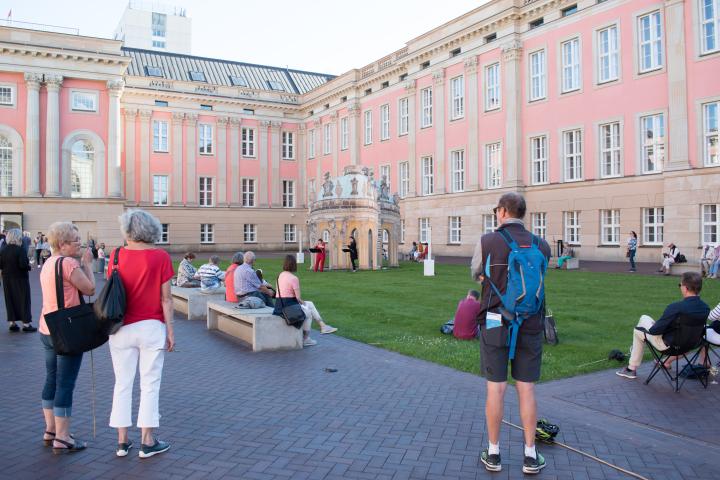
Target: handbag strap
point(277, 283)
point(59, 286)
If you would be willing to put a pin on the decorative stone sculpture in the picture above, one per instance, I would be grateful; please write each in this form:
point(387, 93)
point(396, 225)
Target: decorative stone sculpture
point(354, 183)
point(327, 186)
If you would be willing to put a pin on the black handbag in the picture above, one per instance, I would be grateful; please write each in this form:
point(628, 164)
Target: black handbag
point(74, 330)
point(293, 314)
point(111, 302)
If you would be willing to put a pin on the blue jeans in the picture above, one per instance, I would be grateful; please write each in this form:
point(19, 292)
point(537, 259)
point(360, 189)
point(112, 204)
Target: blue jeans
point(61, 373)
point(714, 267)
point(632, 259)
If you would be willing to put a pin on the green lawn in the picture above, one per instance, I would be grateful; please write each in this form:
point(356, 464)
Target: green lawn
point(401, 310)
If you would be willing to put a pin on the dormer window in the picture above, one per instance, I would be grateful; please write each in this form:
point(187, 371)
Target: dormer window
point(275, 85)
point(238, 81)
point(197, 76)
point(153, 71)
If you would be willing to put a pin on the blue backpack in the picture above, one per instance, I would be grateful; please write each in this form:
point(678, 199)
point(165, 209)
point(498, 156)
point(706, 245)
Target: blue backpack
point(525, 292)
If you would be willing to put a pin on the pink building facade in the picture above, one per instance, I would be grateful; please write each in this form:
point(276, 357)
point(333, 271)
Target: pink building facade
point(604, 114)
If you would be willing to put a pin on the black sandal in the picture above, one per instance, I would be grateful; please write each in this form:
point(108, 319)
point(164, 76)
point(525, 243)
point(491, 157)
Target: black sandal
point(69, 447)
point(49, 441)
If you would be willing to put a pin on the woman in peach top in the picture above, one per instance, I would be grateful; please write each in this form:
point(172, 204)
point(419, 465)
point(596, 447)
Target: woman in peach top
point(62, 370)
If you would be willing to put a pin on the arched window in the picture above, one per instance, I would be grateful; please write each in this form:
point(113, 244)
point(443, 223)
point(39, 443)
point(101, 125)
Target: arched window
point(81, 169)
point(6, 167)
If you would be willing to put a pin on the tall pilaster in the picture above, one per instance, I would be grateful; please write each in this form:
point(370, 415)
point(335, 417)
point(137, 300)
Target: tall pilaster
point(191, 197)
point(439, 124)
point(52, 136)
point(511, 56)
point(678, 157)
point(354, 113)
point(275, 199)
point(32, 135)
point(130, 116)
point(222, 123)
point(177, 158)
point(235, 161)
point(472, 160)
point(302, 166)
point(410, 90)
point(334, 150)
point(114, 172)
point(263, 155)
point(145, 116)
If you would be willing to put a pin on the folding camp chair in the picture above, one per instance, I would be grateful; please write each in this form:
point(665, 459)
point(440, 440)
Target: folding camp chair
point(688, 335)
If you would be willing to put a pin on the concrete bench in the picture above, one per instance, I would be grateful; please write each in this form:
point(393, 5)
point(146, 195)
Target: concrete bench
point(258, 327)
point(193, 303)
point(680, 268)
point(572, 263)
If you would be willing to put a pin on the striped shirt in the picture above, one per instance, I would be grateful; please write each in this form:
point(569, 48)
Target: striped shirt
point(210, 276)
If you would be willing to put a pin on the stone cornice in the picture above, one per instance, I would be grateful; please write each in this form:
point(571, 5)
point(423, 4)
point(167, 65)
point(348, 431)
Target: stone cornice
point(7, 48)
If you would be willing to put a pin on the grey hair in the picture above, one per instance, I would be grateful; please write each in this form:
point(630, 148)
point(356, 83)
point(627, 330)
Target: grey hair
point(140, 226)
point(14, 237)
point(238, 258)
point(214, 259)
point(514, 204)
point(249, 257)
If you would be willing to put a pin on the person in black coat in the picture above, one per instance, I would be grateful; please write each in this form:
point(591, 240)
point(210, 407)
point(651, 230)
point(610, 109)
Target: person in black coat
point(353, 253)
point(15, 266)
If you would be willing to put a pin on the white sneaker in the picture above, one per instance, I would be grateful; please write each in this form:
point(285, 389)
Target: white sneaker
point(328, 329)
point(309, 342)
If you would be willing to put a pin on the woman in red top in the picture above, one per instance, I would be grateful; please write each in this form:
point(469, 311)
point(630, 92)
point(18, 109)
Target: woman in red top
point(230, 295)
point(320, 256)
point(147, 330)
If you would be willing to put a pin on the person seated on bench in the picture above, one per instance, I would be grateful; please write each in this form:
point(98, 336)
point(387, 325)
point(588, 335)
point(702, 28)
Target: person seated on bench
point(187, 274)
point(688, 310)
point(566, 254)
point(288, 293)
point(413, 252)
point(259, 274)
point(466, 316)
point(247, 282)
point(669, 257)
point(236, 261)
point(211, 276)
point(715, 265)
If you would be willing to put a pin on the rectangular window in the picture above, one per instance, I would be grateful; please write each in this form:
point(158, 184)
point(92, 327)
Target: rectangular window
point(275, 85)
point(403, 117)
point(288, 146)
point(197, 76)
point(492, 87)
point(344, 134)
point(610, 150)
point(651, 42)
point(161, 103)
point(7, 96)
point(538, 78)
point(164, 233)
point(327, 139)
point(572, 153)
point(160, 190)
point(652, 129)
point(569, 10)
point(428, 184)
point(248, 142)
point(455, 230)
point(426, 101)
point(538, 153)
point(153, 71)
point(290, 233)
point(572, 228)
point(489, 223)
point(207, 233)
point(158, 43)
point(206, 107)
point(610, 227)
point(248, 192)
point(384, 122)
point(238, 81)
point(249, 233)
point(539, 224)
point(84, 102)
point(608, 55)
point(711, 139)
point(368, 127)
point(160, 136)
point(206, 191)
point(710, 25)
point(457, 97)
point(206, 139)
point(288, 195)
point(653, 225)
point(571, 65)
point(404, 174)
point(710, 223)
point(385, 173)
point(493, 165)
point(457, 169)
point(402, 231)
point(424, 224)
point(311, 144)
point(159, 23)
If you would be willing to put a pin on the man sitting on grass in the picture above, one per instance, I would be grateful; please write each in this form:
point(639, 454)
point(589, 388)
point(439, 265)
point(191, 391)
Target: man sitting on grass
point(466, 316)
point(660, 334)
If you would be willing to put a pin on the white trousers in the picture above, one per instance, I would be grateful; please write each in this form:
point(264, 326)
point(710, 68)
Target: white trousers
point(638, 347)
point(712, 336)
point(311, 314)
point(667, 261)
point(141, 343)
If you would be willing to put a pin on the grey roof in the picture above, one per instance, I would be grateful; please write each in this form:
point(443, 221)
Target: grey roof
point(217, 72)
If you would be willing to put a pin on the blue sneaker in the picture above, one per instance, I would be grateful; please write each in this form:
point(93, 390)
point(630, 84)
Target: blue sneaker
point(147, 451)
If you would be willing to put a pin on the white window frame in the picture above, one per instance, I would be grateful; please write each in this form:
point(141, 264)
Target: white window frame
point(610, 227)
point(610, 148)
point(428, 175)
point(385, 171)
point(654, 41)
point(247, 136)
point(424, 227)
point(164, 234)
point(539, 224)
point(653, 225)
point(7, 166)
point(659, 130)
point(90, 94)
point(160, 136)
point(206, 194)
point(12, 90)
point(344, 133)
point(288, 193)
point(705, 23)
point(207, 233)
point(457, 171)
point(403, 116)
point(290, 233)
point(160, 181)
point(457, 97)
point(385, 122)
point(455, 230)
point(710, 232)
point(311, 143)
point(426, 110)
point(538, 75)
point(368, 127)
point(489, 223)
point(493, 99)
point(248, 192)
point(539, 160)
point(710, 122)
point(402, 230)
point(404, 176)
point(493, 165)
point(608, 54)
point(288, 145)
point(249, 233)
point(327, 139)
point(570, 64)
point(572, 157)
point(571, 227)
point(205, 139)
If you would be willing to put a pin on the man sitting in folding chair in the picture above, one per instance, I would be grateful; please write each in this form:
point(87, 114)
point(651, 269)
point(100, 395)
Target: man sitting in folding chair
point(680, 330)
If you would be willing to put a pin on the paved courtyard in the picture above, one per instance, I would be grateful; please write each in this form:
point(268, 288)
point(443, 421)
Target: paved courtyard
point(233, 414)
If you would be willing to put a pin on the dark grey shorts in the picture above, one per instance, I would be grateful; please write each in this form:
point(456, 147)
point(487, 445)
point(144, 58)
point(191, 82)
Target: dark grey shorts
point(494, 355)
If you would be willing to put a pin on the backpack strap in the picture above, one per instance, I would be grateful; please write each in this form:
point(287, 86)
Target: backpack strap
point(508, 239)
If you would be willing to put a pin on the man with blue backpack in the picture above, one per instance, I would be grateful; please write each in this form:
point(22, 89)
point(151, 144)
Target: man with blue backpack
point(511, 263)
